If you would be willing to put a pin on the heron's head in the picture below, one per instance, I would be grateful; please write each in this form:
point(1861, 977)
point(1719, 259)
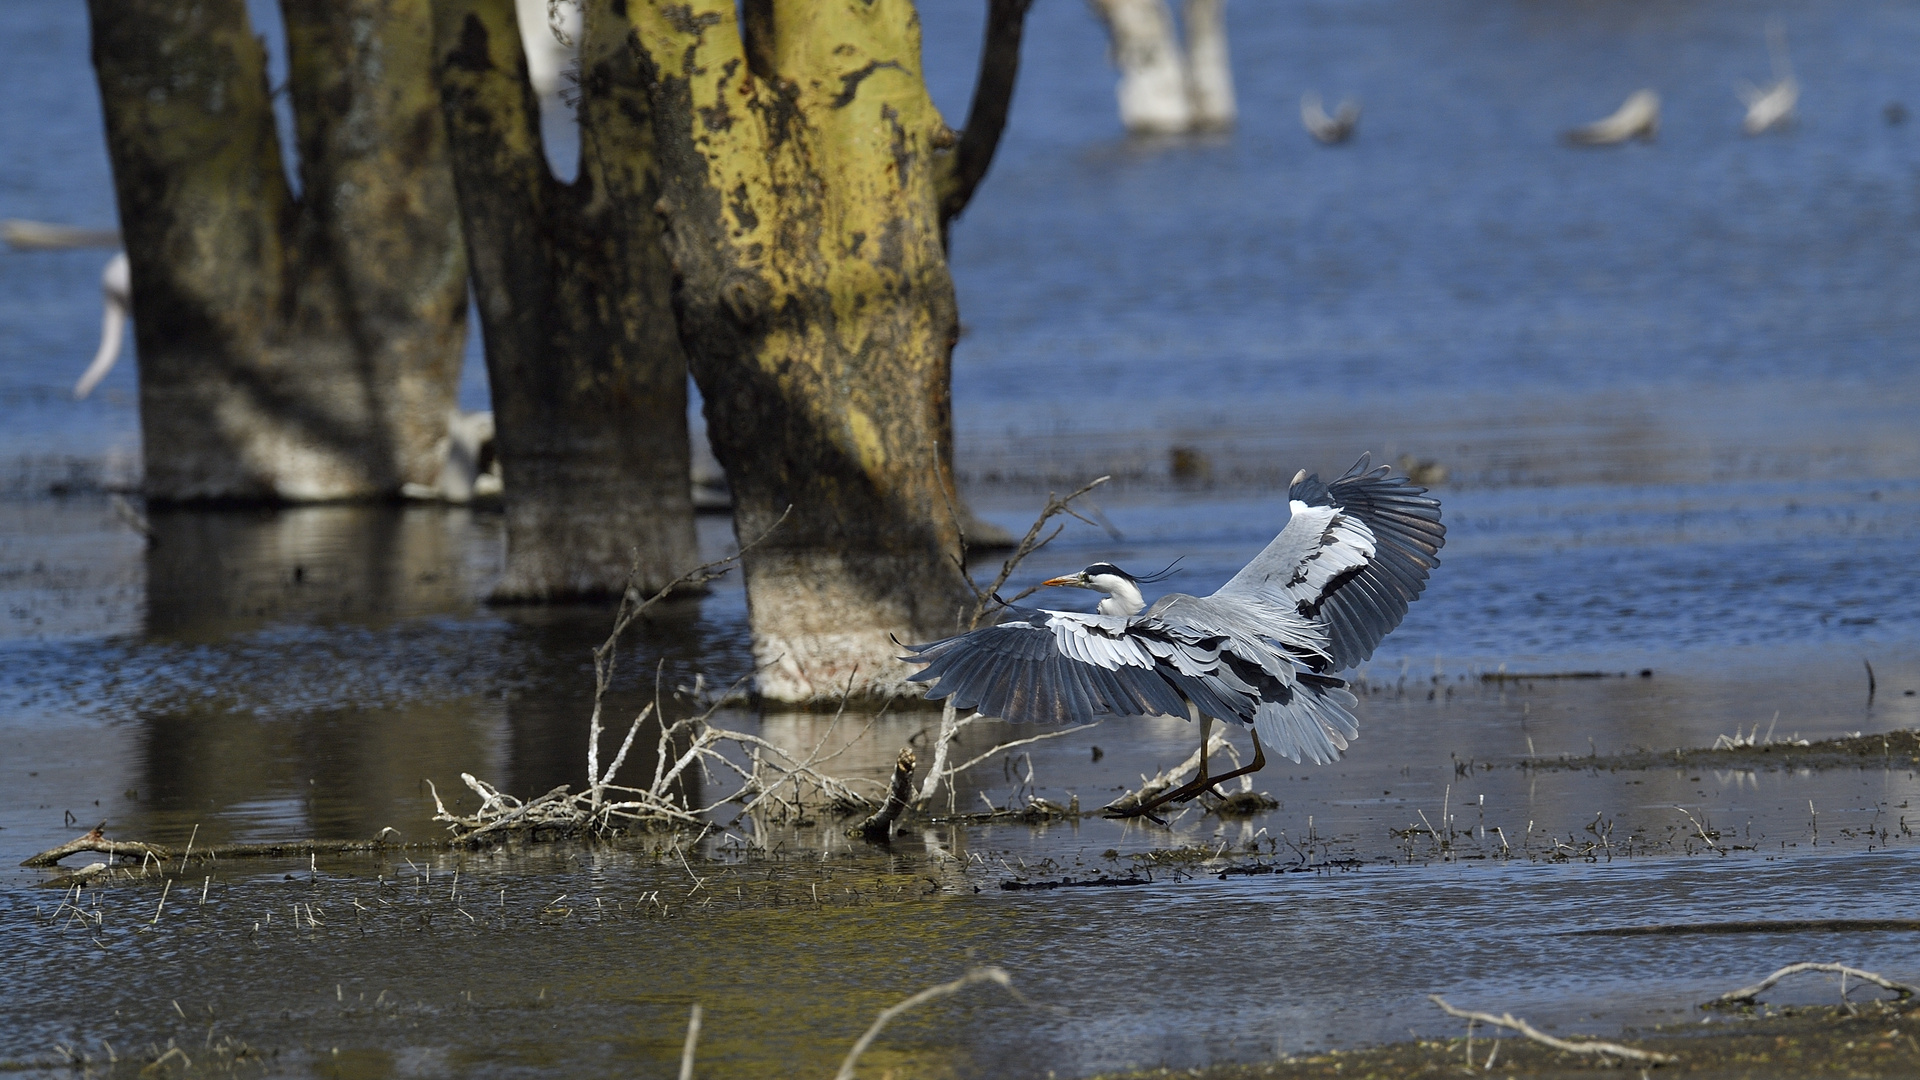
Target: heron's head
point(1123, 591)
point(1100, 577)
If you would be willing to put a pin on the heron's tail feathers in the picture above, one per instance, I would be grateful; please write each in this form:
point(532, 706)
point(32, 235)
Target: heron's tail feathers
point(1315, 722)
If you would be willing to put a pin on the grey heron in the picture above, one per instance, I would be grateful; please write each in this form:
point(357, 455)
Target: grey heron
point(1263, 651)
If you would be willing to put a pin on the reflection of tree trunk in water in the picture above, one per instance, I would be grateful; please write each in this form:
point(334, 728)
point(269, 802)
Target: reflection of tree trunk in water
point(290, 348)
point(807, 180)
point(213, 575)
point(589, 379)
point(547, 720)
point(1163, 89)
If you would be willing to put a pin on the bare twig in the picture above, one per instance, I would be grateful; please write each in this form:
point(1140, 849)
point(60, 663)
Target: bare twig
point(1031, 543)
point(631, 608)
point(1698, 828)
point(1005, 746)
point(693, 1038)
point(1513, 1023)
point(931, 993)
point(1748, 994)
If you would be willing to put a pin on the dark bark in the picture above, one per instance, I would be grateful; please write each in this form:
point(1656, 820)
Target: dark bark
point(290, 348)
point(804, 170)
point(992, 99)
point(589, 379)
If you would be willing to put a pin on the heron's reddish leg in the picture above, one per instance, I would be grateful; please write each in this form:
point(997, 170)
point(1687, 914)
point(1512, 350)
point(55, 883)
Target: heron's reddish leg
point(1189, 789)
point(1259, 762)
point(1193, 788)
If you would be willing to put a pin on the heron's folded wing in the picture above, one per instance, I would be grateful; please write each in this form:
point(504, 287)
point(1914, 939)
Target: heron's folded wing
point(1354, 554)
point(1047, 667)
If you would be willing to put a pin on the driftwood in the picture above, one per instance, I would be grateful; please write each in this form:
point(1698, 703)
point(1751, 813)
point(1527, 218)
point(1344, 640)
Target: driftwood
point(899, 798)
point(1153, 785)
point(95, 840)
point(1513, 1023)
point(1747, 995)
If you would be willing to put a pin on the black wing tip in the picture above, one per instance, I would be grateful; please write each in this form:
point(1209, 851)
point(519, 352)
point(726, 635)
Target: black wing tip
point(1308, 487)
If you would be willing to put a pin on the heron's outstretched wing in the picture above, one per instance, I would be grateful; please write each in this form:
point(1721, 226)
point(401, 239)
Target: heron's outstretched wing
point(1048, 667)
point(1059, 666)
point(1354, 554)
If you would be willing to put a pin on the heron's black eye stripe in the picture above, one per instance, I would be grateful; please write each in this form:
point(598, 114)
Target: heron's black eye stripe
point(1106, 568)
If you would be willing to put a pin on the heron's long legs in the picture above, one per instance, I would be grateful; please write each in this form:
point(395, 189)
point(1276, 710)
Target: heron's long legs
point(1202, 782)
point(1259, 762)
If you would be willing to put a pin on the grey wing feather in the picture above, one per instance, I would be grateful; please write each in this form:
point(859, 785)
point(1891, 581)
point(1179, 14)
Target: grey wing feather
point(1038, 666)
point(1315, 721)
point(1354, 584)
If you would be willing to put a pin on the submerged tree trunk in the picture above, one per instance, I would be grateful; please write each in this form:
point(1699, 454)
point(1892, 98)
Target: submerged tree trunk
point(1209, 71)
point(589, 379)
point(807, 181)
point(1153, 73)
point(1164, 90)
point(291, 349)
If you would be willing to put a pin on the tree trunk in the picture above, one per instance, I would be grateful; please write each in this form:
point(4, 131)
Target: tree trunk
point(291, 349)
point(1209, 72)
point(807, 183)
point(589, 379)
point(1163, 90)
point(1153, 91)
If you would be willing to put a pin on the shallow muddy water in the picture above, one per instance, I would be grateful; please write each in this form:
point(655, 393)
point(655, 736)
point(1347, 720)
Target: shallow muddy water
point(1675, 390)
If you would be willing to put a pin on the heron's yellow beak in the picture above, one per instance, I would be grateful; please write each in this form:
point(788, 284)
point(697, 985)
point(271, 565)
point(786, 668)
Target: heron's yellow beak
point(1070, 579)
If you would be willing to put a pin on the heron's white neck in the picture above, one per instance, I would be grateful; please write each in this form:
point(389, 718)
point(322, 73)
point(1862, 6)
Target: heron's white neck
point(1123, 596)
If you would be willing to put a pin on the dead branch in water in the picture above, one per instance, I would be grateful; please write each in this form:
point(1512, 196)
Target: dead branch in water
point(768, 777)
point(950, 724)
point(1513, 1023)
point(693, 1040)
point(1165, 781)
point(95, 840)
point(1747, 995)
point(899, 797)
point(977, 975)
point(631, 608)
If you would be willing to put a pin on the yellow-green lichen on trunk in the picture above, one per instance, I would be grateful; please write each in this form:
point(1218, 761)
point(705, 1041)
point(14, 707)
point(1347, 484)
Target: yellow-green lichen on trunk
point(803, 200)
point(290, 349)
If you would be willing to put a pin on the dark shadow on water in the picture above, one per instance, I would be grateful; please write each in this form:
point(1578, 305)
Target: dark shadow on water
point(214, 574)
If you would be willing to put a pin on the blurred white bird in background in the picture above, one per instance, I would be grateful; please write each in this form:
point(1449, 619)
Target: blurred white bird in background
point(116, 286)
point(1337, 128)
point(1771, 106)
point(1637, 117)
